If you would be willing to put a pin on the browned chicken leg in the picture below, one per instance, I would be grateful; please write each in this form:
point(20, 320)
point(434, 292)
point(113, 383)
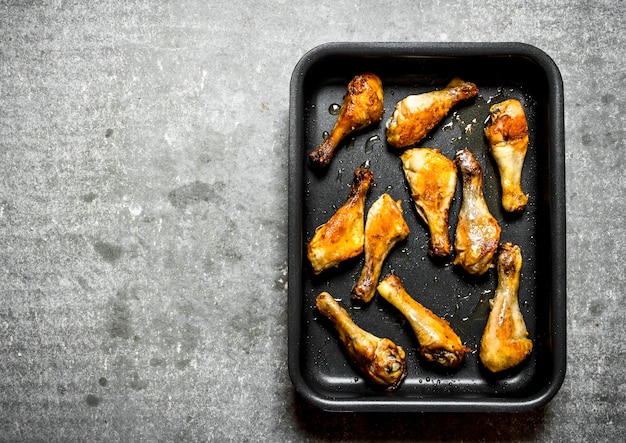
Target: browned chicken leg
point(477, 231)
point(380, 359)
point(507, 134)
point(342, 236)
point(438, 343)
point(415, 115)
point(362, 106)
point(432, 179)
point(385, 226)
point(505, 341)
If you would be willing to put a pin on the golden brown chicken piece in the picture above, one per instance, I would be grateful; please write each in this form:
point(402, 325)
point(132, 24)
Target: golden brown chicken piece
point(432, 179)
point(342, 236)
point(438, 343)
point(385, 226)
point(505, 341)
point(415, 115)
point(380, 359)
point(477, 231)
point(507, 134)
point(362, 106)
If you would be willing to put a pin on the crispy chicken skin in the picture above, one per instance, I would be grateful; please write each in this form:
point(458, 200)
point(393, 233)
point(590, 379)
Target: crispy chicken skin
point(380, 359)
point(505, 341)
point(362, 106)
point(477, 232)
point(507, 134)
point(432, 179)
point(438, 343)
point(385, 226)
point(342, 236)
point(415, 115)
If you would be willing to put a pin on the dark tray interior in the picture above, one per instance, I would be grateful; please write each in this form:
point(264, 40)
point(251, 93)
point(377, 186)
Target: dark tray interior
point(319, 367)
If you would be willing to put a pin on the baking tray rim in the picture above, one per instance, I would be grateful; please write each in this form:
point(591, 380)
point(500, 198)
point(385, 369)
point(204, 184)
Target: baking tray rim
point(557, 224)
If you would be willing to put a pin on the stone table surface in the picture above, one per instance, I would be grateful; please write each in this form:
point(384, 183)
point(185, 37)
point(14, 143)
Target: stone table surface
point(143, 216)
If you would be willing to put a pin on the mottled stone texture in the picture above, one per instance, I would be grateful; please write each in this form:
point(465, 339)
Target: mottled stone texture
point(143, 216)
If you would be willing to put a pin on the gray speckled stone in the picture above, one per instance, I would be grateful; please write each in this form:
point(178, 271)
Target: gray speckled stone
point(143, 216)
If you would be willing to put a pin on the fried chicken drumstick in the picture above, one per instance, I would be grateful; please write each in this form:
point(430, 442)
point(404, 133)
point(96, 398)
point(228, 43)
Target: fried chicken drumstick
point(477, 231)
point(505, 341)
point(432, 179)
point(380, 359)
point(438, 343)
point(342, 236)
point(362, 106)
point(507, 134)
point(415, 115)
point(385, 226)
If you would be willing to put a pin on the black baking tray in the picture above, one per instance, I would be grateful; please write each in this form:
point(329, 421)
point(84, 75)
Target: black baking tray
point(319, 367)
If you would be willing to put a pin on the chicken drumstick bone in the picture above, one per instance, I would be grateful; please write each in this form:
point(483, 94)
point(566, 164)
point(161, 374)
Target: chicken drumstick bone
point(380, 359)
point(505, 341)
point(415, 115)
point(342, 236)
point(385, 226)
point(362, 106)
point(477, 231)
point(438, 343)
point(507, 134)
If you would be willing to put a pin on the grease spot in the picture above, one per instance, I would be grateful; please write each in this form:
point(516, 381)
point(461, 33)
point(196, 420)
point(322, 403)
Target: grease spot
point(607, 99)
point(103, 381)
point(156, 361)
point(138, 384)
point(108, 133)
point(596, 308)
point(109, 252)
point(181, 365)
point(92, 400)
point(120, 322)
point(89, 197)
point(194, 193)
